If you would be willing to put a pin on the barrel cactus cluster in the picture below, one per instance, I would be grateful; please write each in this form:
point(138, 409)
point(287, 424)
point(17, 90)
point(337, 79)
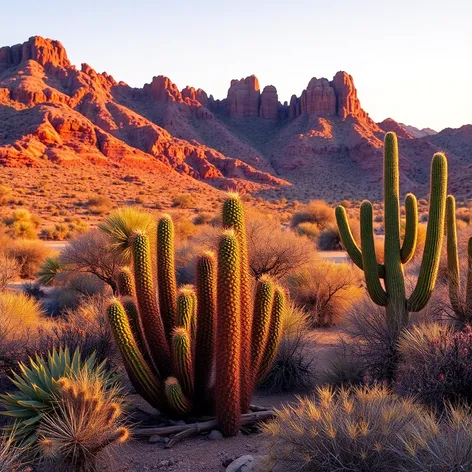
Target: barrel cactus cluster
point(391, 294)
point(194, 351)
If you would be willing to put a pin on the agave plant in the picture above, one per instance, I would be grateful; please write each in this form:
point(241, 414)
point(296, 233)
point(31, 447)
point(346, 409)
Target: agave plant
point(38, 384)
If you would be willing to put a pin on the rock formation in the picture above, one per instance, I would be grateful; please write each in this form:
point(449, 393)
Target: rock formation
point(269, 103)
point(243, 98)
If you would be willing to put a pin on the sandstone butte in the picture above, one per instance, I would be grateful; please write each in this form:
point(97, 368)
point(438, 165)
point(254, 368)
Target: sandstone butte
point(321, 143)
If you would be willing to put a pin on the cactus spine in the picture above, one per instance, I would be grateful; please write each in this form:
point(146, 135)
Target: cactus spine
point(167, 283)
point(462, 308)
point(216, 332)
point(397, 254)
point(228, 339)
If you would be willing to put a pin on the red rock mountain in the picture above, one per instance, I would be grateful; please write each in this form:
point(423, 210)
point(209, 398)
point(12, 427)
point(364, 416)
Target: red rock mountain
point(321, 144)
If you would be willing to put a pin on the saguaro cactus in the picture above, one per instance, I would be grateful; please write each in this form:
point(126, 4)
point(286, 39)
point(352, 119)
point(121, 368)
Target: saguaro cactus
point(396, 253)
point(461, 303)
point(185, 351)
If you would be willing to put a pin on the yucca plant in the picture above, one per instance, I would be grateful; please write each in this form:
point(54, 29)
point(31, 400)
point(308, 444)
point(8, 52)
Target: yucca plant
point(37, 384)
point(172, 341)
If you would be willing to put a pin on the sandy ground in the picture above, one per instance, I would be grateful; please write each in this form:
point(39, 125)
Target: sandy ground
point(201, 454)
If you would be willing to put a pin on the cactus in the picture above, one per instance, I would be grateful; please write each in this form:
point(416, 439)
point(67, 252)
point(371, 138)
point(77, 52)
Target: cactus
point(397, 254)
point(186, 351)
point(462, 305)
point(233, 217)
point(125, 283)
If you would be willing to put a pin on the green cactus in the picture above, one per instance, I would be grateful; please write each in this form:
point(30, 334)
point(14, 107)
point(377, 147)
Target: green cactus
point(263, 303)
point(228, 338)
point(461, 304)
point(183, 362)
point(392, 294)
point(167, 283)
point(206, 324)
point(233, 217)
point(174, 346)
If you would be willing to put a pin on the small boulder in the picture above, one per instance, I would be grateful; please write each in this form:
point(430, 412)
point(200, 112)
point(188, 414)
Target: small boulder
point(242, 464)
point(215, 435)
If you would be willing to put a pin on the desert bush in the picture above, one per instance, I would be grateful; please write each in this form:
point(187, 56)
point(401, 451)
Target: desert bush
point(64, 231)
point(345, 369)
point(183, 200)
point(436, 364)
point(29, 256)
point(310, 230)
point(317, 212)
point(99, 205)
point(20, 318)
point(9, 270)
point(450, 449)
point(325, 290)
point(22, 224)
point(5, 194)
point(356, 429)
point(293, 368)
point(10, 454)
point(86, 419)
point(273, 250)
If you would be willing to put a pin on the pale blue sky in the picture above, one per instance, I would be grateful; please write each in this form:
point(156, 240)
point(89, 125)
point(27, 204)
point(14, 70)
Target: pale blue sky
point(411, 60)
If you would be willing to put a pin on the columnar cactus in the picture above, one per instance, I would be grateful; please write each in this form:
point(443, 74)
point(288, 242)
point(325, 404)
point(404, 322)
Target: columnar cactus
point(461, 303)
point(396, 254)
point(186, 350)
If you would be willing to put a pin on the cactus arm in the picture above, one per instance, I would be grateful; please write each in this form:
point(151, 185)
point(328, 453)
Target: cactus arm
point(434, 235)
point(185, 304)
point(369, 260)
point(275, 334)
point(206, 324)
point(142, 377)
point(183, 360)
point(228, 338)
point(148, 305)
point(166, 279)
point(261, 320)
point(453, 270)
point(233, 217)
point(411, 229)
point(349, 242)
point(176, 397)
point(125, 283)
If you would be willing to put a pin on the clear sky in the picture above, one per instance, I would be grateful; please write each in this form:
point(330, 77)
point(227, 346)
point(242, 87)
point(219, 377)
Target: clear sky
point(411, 59)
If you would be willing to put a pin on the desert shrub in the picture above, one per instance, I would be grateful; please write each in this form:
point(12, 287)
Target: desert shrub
point(183, 200)
point(273, 250)
point(463, 214)
point(29, 255)
point(22, 224)
point(64, 231)
point(372, 346)
point(358, 429)
point(450, 449)
point(310, 230)
point(87, 418)
point(325, 290)
point(38, 385)
point(317, 212)
point(436, 364)
point(203, 218)
point(293, 367)
point(99, 205)
point(61, 299)
point(184, 228)
point(345, 369)
point(5, 194)
point(329, 239)
point(9, 270)
point(84, 262)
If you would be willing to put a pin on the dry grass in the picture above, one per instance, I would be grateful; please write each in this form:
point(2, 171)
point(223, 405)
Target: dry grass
point(359, 429)
point(29, 254)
